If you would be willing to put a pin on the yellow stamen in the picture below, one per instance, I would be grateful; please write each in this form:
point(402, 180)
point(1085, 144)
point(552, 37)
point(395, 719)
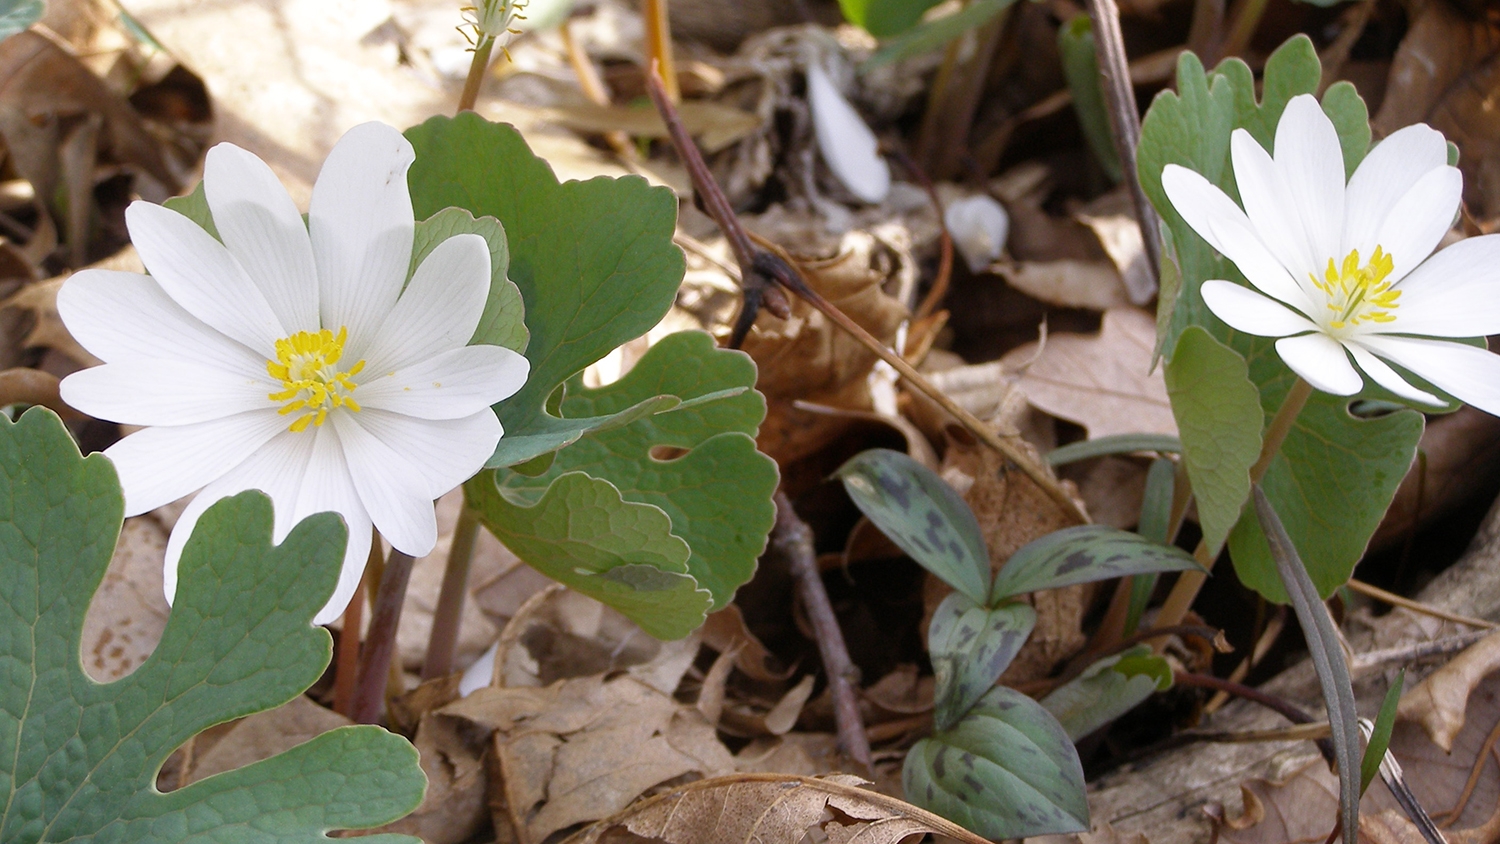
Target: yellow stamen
point(1358, 293)
point(311, 383)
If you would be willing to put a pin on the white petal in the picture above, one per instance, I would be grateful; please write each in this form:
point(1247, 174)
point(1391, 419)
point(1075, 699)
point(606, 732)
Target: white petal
point(1419, 221)
point(1311, 163)
point(979, 227)
point(1469, 374)
point(1385, 175)
point(327, 485)
point(201, 276)
point(1270, 206)
point(1320, 361)
point(127, 316)
point(264, 232)
point(360, 220)
point(1245, 310)
point(393, 491)
point(439, 309)
point(446, 451)
point(1216, 218)
point(1387, 377)
point(847, 144)
point(162, 464)
point(141, 391)
point(1455, 293)
point(450, 385)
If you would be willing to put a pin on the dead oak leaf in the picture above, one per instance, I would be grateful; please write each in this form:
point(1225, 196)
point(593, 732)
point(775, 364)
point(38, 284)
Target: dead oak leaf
point(1105, 382)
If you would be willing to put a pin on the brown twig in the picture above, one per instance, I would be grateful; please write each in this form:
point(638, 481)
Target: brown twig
point(793, 539)
point(443, 641)
point(380, 646)
point(1285, 709)
point(347, 669)
point(761, 268)
point(1124, 119)
point(1417, 606)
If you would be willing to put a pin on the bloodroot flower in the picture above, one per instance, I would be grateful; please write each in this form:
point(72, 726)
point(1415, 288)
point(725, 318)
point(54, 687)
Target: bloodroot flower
point(1348, 270)
point(288, 358)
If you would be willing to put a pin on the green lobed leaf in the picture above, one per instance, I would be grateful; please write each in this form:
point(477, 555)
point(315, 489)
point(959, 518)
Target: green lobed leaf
point(594, 262)
point(17, 15)
point(1380, 733)
point(921, 514)
point(80, 758)
point(1007, 770)
point(1336, 474)
point(1080, 64)
point(194, 206)
point(1083, 554)
point(1108, 689)
point(884, 18)
point(971, 646)
point(715, 498)
point(503, 322)
point(1217, 409)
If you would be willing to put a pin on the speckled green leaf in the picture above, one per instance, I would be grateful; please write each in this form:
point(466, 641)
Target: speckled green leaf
point(970, 646)
point(1007, 770)
point(1108, 689)
point(921, 514)
point(503, 322)
point(78, 760)
point(1082, 554)
point(1217, 409)
point(16, 15)
point(583, 534)
point(594, 262)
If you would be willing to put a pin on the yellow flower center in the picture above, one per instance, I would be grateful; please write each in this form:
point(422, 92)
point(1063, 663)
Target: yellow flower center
point(307, 366)
point(1358, 293)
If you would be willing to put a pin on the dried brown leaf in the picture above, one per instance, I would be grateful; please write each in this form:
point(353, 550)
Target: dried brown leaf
point(263, 735)
point(1068, 283)
point(1440, 702)
point(126, 618)
point(1105, 382)
point(725, 630)
point(773, 809)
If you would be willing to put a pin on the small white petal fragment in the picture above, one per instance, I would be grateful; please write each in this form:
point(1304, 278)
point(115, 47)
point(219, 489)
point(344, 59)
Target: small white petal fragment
point(1245, 310)
point(1321, 362)
point(1469, 374)
point(1387, 377)
point(979, 227)
point(847, 144)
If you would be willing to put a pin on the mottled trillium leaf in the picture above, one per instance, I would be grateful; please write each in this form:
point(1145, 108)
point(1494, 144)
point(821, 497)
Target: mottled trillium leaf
point(971, 646)
point(1007, 770)
point(922, 515)
point(79, 759)
point(1083, 554)
point(594, 262)
point(711, 502)
point(1108, 689)
point(16, 15)
point(1336, 474)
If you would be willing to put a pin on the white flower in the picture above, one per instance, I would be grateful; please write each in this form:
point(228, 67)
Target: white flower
point(1347, 267)
point(288, 359)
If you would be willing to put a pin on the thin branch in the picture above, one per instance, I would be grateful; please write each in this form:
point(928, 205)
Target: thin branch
point(443, 641)
point(380, 646)
point(1124, 119)
point(1285, 709)
point(793, 539)
point(759, 267)
point(1417, 606)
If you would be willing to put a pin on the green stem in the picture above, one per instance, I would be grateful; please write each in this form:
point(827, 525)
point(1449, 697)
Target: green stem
point(1245, 24)
point(450, 604)
point(477, 68)
point(1185, 590)
point(380, 645)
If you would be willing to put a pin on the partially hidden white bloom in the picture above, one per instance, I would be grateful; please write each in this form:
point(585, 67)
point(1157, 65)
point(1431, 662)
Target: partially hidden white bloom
point(289, 359)
point(1345, 268)
point(849, 147)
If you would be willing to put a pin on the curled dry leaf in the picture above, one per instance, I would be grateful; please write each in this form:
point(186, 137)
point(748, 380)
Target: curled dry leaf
point(774, 809)
point(1067, 283)
point(1439, 703)
point(807, 358)
point(1104, 383)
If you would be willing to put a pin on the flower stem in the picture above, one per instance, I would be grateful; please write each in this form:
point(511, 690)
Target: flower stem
point(477, 68)
point(450, 603)
point(375, 658)
point(659, 45)
point(1243, 28)
point(348, 657)
point(1185, 590)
